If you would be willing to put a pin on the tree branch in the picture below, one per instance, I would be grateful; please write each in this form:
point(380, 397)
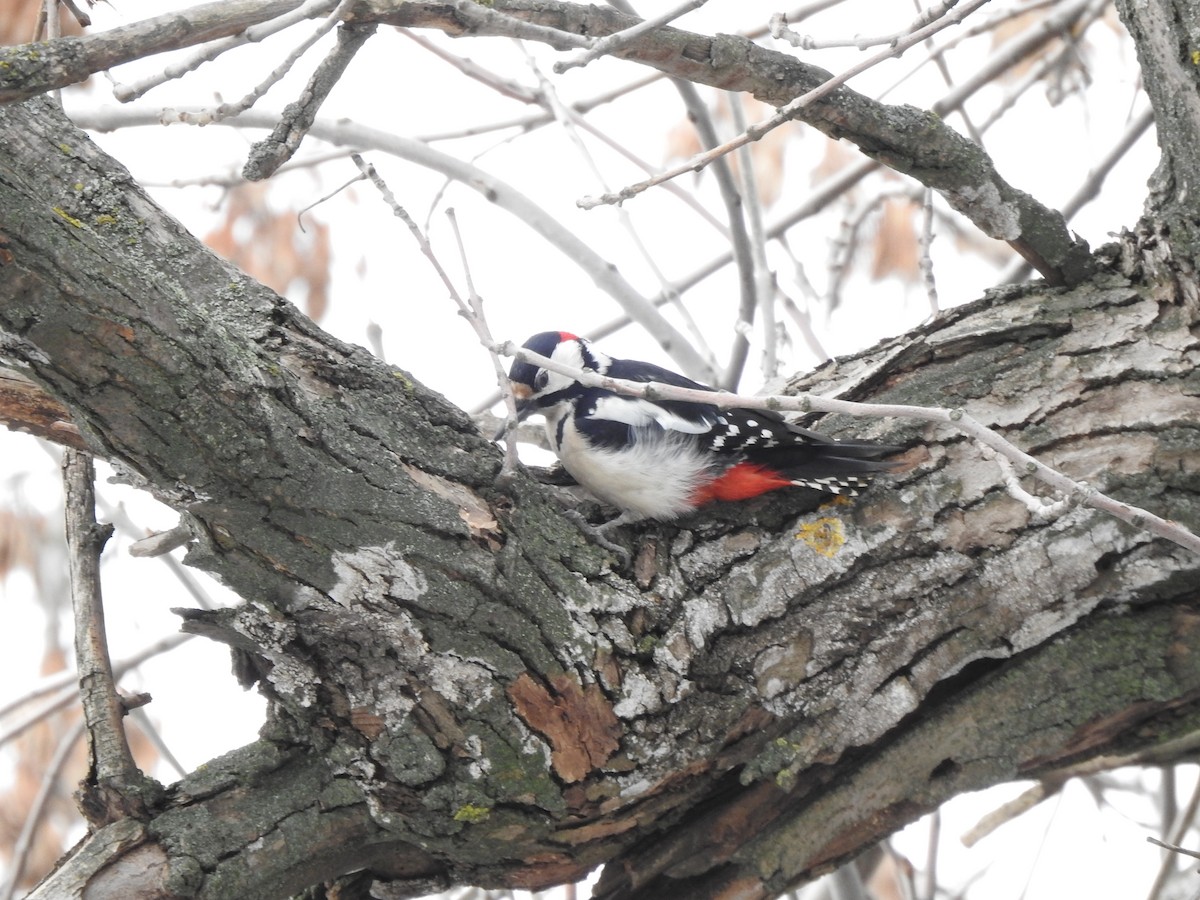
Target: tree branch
point(27, 70)
point(114, 788)
point(910, 141)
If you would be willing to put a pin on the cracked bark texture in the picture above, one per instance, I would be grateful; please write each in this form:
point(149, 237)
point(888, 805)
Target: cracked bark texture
point(465, 691)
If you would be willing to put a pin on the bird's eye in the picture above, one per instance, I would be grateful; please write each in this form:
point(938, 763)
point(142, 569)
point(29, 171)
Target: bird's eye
point(540, 379)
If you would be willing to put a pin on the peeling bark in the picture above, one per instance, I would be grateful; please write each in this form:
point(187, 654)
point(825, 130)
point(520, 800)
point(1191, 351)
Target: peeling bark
point(463, 690)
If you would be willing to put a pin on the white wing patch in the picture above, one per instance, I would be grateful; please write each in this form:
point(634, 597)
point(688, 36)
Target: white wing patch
point(640, 413)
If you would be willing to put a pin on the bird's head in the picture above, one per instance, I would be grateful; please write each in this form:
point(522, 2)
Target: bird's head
point(536, 388)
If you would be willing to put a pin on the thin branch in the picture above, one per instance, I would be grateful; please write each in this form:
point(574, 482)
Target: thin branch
point(281, 19)
point(943, 68)
point(988, 23)
point(69, 60)
point(1183, 851)
point(549, 99)
point(1079, 492)
point(475, 316)
point(606, 276)
point(110, 764)
point(65, 684)
point(1053, 26)
point(472, 312)
point(786, 113)
point(271, 152)
point(764, 281)
point(739, 236)
point(925, 243)
point(505, 87)
point(495, 22)
point(1181, 829)
point(931, 855)
point(37, 809)
point(780, 31)
point(614, 42)
point(208, 116)
point(1011, 810)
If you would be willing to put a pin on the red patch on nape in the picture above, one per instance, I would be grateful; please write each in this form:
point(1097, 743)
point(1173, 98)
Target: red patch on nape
point(741, 482)
point(567, 336)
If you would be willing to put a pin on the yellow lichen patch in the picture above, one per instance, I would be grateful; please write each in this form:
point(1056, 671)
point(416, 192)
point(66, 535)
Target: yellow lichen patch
point(471, 813)
point(825, 536)
point(67, 217)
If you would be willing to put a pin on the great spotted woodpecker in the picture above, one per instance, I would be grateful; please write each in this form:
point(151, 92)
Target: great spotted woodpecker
point(661, 459)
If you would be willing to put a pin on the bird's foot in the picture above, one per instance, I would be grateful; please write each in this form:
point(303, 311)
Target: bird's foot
point(599, 534)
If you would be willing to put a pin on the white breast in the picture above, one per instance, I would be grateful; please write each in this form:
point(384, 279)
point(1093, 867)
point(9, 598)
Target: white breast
point(654, 478)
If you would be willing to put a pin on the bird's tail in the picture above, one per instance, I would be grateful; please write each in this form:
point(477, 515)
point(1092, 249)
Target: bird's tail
point(837, 467)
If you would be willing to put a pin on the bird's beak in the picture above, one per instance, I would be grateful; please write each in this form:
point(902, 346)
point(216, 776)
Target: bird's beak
point(523, 394)
point(525, 408)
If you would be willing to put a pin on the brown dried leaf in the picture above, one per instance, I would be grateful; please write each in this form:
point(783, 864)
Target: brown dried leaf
point(896, 250)
point(18, 17)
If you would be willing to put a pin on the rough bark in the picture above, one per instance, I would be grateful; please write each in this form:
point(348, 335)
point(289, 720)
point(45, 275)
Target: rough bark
point(465, 691)
point(1166, 36)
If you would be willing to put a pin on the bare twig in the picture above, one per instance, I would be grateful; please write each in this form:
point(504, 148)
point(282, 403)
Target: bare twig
point(1184, 822)
point(739, 236)
point(1041, 509)
point(472, 312)
point(505, 87)
point(606, 276)
point(764, 281)
point(267, 155)
point(1053, 26)
point(780, 31)
point(281, 15)
point(110, 764)
point(568, 119)
point(613, 42)
point(475, 316)
point(939, 60)
point(925, 243)
point(954, 418)
point(161, 542)
point(494, 21)
point(785, 114)
point(37, 809)
point(931, 856)
point(1174, 848)
point(215, 114)
point(1014, 808)
point(64, 686)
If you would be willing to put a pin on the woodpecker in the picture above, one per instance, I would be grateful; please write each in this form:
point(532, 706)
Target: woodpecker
point(661, 459)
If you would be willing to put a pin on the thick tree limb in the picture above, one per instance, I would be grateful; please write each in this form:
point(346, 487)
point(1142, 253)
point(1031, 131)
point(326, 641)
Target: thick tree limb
point(795, 680)
point(25, 406)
